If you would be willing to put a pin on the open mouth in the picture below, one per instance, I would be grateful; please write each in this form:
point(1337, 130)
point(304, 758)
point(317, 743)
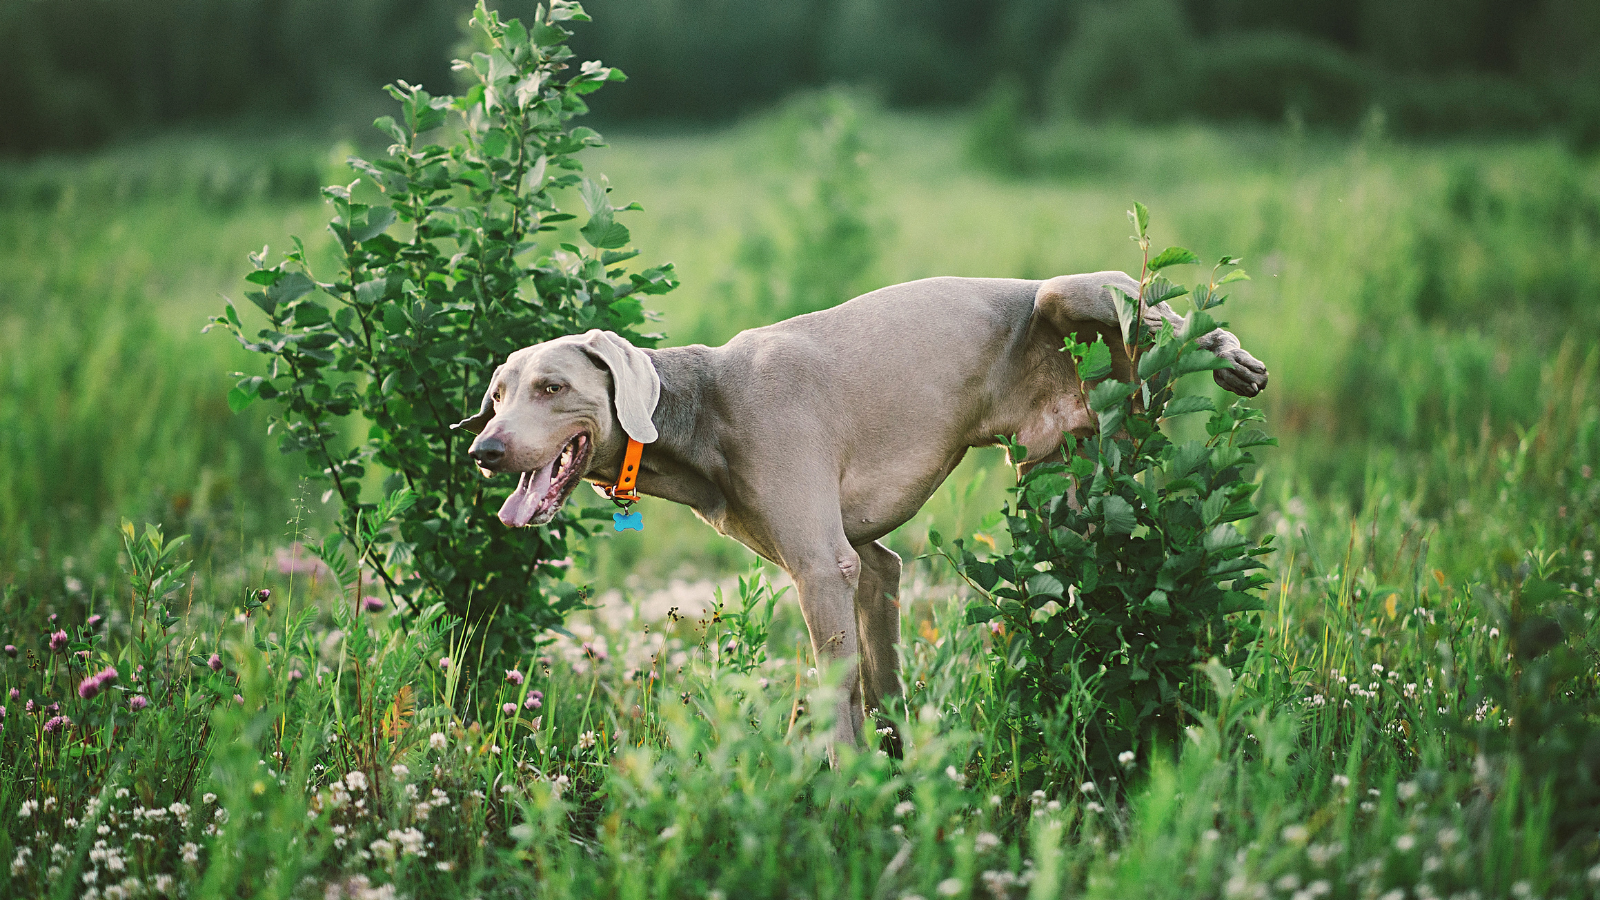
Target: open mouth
point(541, 492)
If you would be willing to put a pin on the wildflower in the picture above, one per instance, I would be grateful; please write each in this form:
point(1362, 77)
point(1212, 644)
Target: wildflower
point(27, 808)
point(949, 887)
point(1087, 787)
point(509, 709)
point(1126, 758)
point(986, 841)
point(11, 651)
point(1405, 842)
point(239, 699)
point(16, 694)
point(1341, 781)
point(373, 604)
point(437, 740)
point(1093, 806)
point(514, 676)
point(586, 741)
point(1296, 834)
point(264, 595)
point(534, 700)
point(1449, 837)
point(904, 808)
point(1211, 834)
point(58, 642)
point(444, 663)
point(94, 684)
point(95, 620)
point(138, 702)
point(215, 662)
point(1405, 790)
point(58, 722)
point(208, 798)
point(356, 779)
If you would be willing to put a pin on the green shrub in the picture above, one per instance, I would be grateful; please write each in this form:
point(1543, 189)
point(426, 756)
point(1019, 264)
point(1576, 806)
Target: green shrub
point(461, 259)
point(1126, 570)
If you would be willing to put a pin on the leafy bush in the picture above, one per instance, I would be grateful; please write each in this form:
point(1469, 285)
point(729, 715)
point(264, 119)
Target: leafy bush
point(1126, 570)
point(460, 259)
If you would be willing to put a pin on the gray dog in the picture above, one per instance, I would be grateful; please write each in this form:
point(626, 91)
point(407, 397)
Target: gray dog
point(811, 439)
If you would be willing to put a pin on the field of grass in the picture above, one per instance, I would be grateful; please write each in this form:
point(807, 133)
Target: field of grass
point(1421, 718)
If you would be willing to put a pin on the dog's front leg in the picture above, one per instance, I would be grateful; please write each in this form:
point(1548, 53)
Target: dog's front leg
point(827, 583)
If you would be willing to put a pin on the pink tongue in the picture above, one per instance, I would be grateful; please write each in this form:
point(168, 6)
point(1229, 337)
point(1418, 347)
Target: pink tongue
point(519, 508)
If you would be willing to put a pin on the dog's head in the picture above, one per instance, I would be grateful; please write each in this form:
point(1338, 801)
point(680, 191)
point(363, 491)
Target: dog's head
point(553, 409)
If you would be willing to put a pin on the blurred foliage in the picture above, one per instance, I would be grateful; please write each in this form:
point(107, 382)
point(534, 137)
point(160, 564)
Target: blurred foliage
point(82, 73)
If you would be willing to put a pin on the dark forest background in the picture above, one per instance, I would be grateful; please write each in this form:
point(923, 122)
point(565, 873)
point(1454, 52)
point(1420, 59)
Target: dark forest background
point(78, 73)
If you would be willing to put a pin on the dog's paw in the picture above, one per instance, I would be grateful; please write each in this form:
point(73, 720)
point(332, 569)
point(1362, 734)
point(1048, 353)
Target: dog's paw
point(1247, 376)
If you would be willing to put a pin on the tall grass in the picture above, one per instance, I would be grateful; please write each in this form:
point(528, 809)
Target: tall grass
point(1405, 724)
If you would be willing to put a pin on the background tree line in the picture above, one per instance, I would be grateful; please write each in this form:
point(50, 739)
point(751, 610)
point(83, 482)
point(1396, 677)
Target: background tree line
point(80, 72)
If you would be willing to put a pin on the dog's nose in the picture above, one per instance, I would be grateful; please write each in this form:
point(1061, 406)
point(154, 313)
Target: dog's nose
point(487, 451)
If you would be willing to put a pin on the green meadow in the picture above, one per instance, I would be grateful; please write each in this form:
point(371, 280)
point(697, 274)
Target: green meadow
point(1420, 719)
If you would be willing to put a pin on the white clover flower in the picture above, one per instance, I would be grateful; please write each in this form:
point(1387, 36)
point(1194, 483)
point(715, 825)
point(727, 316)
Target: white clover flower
point(950, 887)
point(1341, 781)
point(208, 798)
point(27, 808)
point(1405, 842)
point(586, 741)
point(1296, 834)
point(985, 841)
point(400, 771)
point(356, 780)
point(436, 741)
point(955, 775)
point(1405, 790)
point(1211, 834)
point(1087, 787)
point(1126, 758)
point(1092, 806)
point(904, 808)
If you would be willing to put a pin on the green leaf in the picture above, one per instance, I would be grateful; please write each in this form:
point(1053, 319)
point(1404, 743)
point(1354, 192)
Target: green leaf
point(239, 398)
point(1108, 394)
point(1191, 404)
point(1235, 275)
point(1119, 515)
point(379, 218)
point(1172, 256)
point(1096, 361)
point(978, 613)
point(1157, 603)
point(1158, 358)
point(1044, 584)
point(1197, 360)
point(1140, 216)
point(604, 234)
point(1127, 312)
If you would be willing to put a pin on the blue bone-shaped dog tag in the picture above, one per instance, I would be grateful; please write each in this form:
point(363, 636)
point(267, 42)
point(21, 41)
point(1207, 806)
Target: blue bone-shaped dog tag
point(624, 521)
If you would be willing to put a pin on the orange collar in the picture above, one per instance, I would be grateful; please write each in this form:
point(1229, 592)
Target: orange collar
point(622, 492)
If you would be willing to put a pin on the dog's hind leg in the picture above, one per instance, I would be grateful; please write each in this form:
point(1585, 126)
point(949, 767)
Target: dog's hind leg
point(878, 621)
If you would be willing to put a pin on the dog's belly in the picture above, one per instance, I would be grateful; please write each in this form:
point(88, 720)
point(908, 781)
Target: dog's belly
point(875, 500)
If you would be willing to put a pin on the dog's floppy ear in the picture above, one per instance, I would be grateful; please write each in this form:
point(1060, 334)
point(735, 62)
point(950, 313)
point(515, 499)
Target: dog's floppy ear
point(636, 385)
point(476, 423)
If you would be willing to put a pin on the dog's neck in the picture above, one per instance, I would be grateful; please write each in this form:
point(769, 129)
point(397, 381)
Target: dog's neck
point(681, 465)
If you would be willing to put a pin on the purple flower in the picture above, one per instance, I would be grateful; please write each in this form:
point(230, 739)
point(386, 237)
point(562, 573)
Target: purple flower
point(509, 708)
point(264, 595)
point(373, 604)
point(444, 663)
point(2, 713)
point(138, 702)
point(58, 642)
point(513, 676)
point(53, 708)
point(95, 620)
point(215, 662)
point(89, 687)
point(29, 708)
point(534, 700)
point(16, 694)
point(296, 674)
point(11, 651)
point(239, 699)
point(57, 723)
